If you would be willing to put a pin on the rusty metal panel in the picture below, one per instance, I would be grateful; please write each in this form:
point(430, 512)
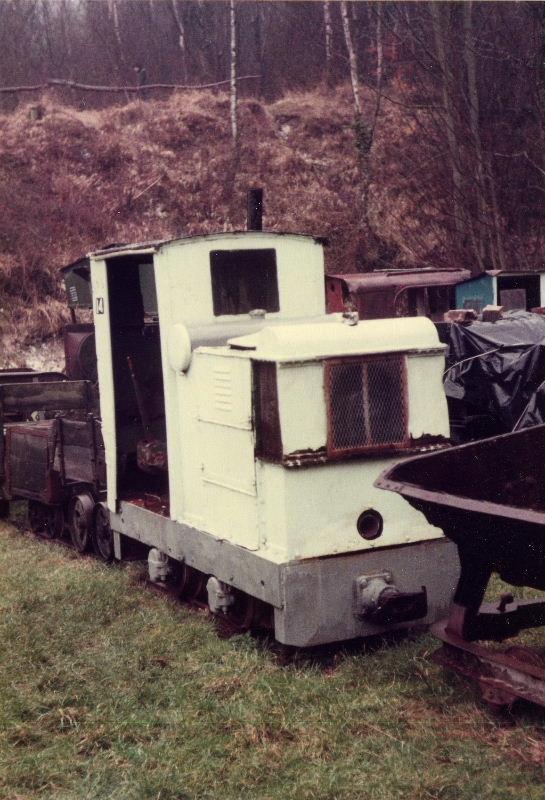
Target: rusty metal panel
point(375, 304)
point(502, 677)
point(335, 293)
point(367, 405)
point(29, 376)
point(266, 411)
point(76, 452)
point(80, 352)
point(401, 279)
point(55, 396)
point(503, 475)
point(29, 461)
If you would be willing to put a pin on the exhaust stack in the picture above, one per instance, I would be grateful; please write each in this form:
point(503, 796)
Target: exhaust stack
point(254, 216)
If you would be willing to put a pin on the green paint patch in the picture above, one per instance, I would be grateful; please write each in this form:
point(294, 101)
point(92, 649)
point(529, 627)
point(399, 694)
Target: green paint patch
point(109, 691)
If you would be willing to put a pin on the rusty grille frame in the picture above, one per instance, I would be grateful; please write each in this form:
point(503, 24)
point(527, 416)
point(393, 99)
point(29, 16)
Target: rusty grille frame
point(266, 411)
point(367, 439)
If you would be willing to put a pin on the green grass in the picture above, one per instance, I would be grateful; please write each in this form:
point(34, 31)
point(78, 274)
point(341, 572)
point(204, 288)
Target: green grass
point(109, 691)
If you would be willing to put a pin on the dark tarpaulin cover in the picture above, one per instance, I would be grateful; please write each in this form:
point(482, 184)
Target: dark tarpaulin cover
point(534, 413)
point(499, 369)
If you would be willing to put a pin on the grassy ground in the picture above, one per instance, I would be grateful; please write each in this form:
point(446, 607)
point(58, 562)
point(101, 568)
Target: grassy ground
point(109, 691)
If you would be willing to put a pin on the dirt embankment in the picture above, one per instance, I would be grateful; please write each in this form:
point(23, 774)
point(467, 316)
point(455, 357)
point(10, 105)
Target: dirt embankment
point(76, 180)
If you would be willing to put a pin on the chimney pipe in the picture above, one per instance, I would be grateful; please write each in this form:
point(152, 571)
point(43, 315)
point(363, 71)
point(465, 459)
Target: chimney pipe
point(254, 215)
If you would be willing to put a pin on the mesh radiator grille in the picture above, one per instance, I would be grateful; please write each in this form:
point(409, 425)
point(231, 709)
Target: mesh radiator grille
point(366, 401)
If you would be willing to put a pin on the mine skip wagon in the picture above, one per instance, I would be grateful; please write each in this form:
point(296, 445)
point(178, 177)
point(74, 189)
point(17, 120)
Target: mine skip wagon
point(240, 433)
point(489, 498)
point(56, 463)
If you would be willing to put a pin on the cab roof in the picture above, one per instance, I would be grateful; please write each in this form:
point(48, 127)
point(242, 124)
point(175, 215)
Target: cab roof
point(154, 245)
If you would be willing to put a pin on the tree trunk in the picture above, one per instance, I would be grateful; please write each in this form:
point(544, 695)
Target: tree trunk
point(378, 77)
point(364, 143)
point(66, 36)
point(473, 102)
point(233, 87)
point(259, 43)
point(450, 119)
point(113, 9)
point(181, 38)
point(114, 13)
point(501, 259)
point(328, 28)
point(352, 60)
point(380, 55)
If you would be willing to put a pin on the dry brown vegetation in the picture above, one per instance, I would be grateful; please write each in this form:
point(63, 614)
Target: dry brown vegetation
point(76, 180)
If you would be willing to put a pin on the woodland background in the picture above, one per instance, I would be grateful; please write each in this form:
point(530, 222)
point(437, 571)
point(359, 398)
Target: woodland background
point(407, 133)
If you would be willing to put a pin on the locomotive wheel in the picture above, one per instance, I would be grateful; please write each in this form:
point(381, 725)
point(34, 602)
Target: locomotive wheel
point(245, 614)
point(242, 614)
point(190, 584)
point(80, 521)
point(103, 538)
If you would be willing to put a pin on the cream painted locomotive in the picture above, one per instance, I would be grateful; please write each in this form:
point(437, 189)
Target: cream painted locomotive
point(239, 435)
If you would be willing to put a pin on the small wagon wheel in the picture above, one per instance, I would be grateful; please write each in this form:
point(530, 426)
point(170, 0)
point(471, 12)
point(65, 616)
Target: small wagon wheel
point(80, 521)
point(103, 538)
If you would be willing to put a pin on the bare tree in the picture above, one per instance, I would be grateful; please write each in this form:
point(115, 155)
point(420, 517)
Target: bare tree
point(181, 37)
point(114, 13)
point(233, 88)
point(450, 114)
point(67, 37)
point(469, 42)
point(352, 58)
point(380, 49)
point(328, 30)
point(364, 133)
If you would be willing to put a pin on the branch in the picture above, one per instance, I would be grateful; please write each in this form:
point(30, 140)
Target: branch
point(411, 106)
point(522, 154)
point(134, 89)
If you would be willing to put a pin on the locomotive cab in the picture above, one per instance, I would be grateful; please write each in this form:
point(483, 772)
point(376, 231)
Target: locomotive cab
point(153, 304)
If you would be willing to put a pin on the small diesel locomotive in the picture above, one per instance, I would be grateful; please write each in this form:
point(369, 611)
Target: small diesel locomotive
point(238, 436)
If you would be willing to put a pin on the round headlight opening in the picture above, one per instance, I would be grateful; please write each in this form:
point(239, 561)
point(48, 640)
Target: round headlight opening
point(370, 524)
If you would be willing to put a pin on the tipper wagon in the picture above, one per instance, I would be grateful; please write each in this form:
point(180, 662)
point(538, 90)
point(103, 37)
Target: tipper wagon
point(489, 498)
